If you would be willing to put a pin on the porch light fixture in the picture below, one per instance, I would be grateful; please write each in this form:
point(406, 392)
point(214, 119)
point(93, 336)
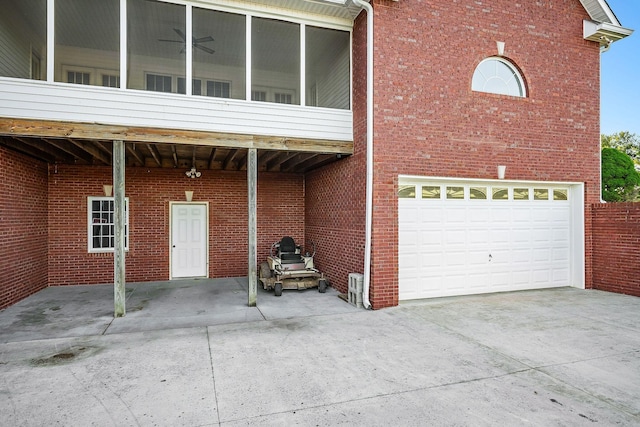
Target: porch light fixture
point(193, 173)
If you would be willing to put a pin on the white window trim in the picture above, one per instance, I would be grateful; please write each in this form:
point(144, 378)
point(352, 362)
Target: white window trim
point(513, 69)
point(90, 247)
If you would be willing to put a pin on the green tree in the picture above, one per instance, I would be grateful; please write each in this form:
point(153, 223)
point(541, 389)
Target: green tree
point(626, 142)
point(619, 176)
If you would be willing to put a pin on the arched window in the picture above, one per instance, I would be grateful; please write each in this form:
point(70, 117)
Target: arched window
point(497, 75)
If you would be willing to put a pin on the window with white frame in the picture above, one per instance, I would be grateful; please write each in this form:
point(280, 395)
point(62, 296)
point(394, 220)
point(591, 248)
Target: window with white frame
point(499, 76)
point(218, 89)
point(101, 224)
point(110, 80)
point(78, 77)
point(158, 83)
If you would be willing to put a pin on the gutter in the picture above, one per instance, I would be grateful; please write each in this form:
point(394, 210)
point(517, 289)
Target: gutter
point(369, 192)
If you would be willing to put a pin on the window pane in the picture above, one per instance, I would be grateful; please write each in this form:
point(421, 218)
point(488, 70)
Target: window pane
point(275, 58)
point(431, 192)
point(455, 192)
point(102, 227)
point(23, 42)
point(495, 75)
point(407, 192)
point(500, 194)
point(520, 194)
point(560, 194)
point(88, 47)
point(540, 194)
point(219, 50)
point(327, 68)
point(156, 45)
point(478, 193)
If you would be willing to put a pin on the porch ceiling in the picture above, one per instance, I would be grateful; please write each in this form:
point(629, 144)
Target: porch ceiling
point(90, 144)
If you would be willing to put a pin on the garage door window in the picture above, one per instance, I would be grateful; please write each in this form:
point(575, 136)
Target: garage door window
point(467, 192)
point(407, 192)
point(455, 192)
point(560, 194)
point(478, 193)
point(520, 194)
point(431, 192)
point(500, 193)
point(540, 194)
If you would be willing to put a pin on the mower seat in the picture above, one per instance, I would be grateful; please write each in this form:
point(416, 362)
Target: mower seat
point(287, 251)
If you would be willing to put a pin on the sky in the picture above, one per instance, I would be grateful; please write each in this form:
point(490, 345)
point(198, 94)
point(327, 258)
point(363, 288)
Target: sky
point(620, 74)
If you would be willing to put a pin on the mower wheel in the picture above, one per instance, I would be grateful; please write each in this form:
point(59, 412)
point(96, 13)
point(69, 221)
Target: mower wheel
point(322, 286)
point(277, 290)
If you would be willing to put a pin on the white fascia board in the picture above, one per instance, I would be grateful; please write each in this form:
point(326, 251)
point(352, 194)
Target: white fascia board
point(600, 11)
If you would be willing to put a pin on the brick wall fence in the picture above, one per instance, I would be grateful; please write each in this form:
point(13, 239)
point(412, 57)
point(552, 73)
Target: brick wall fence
point(616, 247)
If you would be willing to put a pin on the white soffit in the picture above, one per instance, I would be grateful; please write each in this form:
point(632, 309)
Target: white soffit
point(330, 10)
point(604, 26)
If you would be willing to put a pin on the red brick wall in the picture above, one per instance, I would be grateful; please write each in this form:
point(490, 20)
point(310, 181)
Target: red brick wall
point(616, 243)
point(335, 194)
point(149, 192)
point(23, 226)
point(429, 122)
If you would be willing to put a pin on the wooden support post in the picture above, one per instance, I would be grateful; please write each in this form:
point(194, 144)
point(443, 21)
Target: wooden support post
point(119, 226)
point(252, 190)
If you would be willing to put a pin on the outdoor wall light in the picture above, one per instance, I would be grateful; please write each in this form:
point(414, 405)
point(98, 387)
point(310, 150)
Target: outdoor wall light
point(501, 170)
point(193, 173)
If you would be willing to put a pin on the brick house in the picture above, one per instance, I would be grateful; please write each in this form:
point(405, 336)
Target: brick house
point(374, 130)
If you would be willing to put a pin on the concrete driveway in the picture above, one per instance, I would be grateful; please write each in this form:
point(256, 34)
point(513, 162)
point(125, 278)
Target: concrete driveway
point(192, 354)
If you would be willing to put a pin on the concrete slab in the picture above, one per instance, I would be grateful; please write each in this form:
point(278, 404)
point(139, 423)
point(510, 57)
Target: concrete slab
point(192, 354)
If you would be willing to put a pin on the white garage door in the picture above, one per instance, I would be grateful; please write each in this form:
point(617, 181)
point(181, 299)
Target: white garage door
point(459, 238)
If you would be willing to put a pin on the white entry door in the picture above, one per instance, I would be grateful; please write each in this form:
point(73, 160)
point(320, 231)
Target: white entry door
point(459, 238)
point(189, 240)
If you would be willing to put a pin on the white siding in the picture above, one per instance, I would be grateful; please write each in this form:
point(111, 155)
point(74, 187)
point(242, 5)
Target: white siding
point(26, 99)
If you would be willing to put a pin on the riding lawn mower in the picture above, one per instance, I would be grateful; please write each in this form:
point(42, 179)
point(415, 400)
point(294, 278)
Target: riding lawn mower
point(287, 268)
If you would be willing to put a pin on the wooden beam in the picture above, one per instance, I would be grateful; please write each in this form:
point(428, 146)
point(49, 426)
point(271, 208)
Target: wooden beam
point(174, 153)
point(212, 156)
point(131, 149)
point(70, 149)
point(96, 131)
point(154, 153)
point(22, 147)
point(271, 166)
point(252, 186)
point(119, 226)
point(91, 149)
point(232, 154)
point(315, 162)
point(291, 163)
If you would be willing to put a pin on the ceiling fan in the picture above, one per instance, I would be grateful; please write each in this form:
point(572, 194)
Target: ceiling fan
point(196, 42)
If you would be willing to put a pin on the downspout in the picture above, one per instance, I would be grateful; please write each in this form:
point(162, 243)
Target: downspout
point(369, 191)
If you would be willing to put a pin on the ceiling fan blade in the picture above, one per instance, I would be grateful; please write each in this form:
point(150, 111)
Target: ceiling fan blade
point(202, 39)
point(170, 41)
point(204, 48)
point(180, 33)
